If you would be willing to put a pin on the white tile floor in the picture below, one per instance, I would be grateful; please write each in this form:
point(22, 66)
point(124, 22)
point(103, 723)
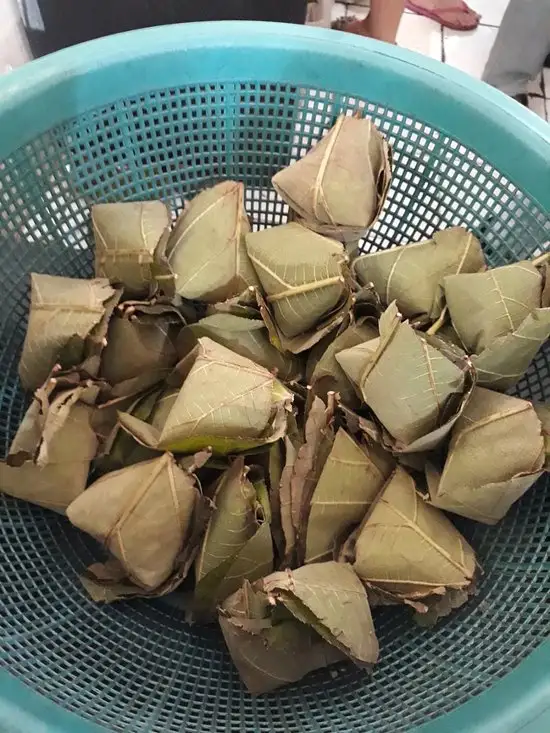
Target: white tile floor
point(467, 51)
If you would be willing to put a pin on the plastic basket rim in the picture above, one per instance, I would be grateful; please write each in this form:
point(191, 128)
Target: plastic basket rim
point(484, 104)
point(520, 701)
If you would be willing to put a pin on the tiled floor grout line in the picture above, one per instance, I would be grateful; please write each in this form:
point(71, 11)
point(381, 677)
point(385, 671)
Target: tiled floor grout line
point(452, 47)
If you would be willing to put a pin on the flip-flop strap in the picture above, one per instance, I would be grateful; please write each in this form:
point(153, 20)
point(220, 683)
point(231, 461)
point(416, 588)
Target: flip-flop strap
point(461, 7)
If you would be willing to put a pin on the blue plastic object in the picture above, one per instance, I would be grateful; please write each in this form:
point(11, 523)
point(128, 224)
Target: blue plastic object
point(162, 113)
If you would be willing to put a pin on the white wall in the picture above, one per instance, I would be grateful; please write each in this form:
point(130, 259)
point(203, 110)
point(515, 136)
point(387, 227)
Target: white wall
point(13, 43)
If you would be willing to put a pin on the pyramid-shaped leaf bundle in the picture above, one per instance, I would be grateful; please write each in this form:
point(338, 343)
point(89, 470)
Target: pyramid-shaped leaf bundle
point(496, 453)
point(143, 515)
point(412, 275)
point(126, 235)
point(227, 402)
point(511, 323)
point(63, 313)
point(408, 549)
point(340, 186)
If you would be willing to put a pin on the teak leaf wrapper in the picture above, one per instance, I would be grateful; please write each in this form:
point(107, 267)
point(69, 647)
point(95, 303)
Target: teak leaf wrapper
point(305, 278)
point(328, 374)
point(511, 322)
point(143, 515)
point(339, 187)
point(317, 595)
point(431, 610)
point(141, 350)
point(206, 250)
point(226, 402)
point(268, 648)
point(108, 582)
point(496, 453)
point(299, 483)
point(94, 345)
point(247, 337)
point(350, 481)
point(237, 544)
point(506, 360)
point(409, 549)
point(415, 390)
point(276, 458)
point(126, 235)
point(118, 448)
point(49, 459)
point(412, 274)
point(63, 310)
point(544, 269)
point(543, 414)
point(353, 361)
point(302, 343)
point(285, 503)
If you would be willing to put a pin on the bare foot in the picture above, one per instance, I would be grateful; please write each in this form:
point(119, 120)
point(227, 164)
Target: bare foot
point(454, 14)
point(358, 27)
point(351, 24)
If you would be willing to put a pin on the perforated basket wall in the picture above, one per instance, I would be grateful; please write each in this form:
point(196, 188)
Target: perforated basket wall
point(136, 666)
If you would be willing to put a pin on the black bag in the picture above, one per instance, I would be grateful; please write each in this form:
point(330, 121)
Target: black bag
point(54, 24)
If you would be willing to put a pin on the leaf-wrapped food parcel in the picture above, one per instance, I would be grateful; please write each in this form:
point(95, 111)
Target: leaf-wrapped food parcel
point(269, 647)
point(328, 374)
point(126, 235)
point(415, 390)
point(496, 453)
point(304, 463)
point(226, 402)
point(237, 545)
point(408, 549)
point(543, 413)
point(329, 597)
point(206, 250)
point(118, 448)
point(306, 280)
point(510, 322)
point(245, 336)
point(141, 349)
point(544, 269)
point(50, 456)
point(143, 515)
point(63, 311)
point(412, 274)
point(350, 481)
point(340, 186)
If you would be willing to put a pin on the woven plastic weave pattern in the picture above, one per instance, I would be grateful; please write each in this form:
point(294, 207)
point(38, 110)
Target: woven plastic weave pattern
point(136, 666)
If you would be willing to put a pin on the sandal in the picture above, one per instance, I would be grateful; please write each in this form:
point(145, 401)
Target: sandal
point(439, 15)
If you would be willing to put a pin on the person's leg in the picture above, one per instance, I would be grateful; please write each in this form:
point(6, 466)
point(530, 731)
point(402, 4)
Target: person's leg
point(521, 45)
point(381, 23)
point(383, 19)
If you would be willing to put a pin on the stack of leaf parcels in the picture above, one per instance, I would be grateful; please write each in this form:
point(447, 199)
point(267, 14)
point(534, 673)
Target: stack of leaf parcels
point(274, 429)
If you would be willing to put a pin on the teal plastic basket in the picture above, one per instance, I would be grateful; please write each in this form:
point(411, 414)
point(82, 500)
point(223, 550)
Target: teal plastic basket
point(162, 113)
